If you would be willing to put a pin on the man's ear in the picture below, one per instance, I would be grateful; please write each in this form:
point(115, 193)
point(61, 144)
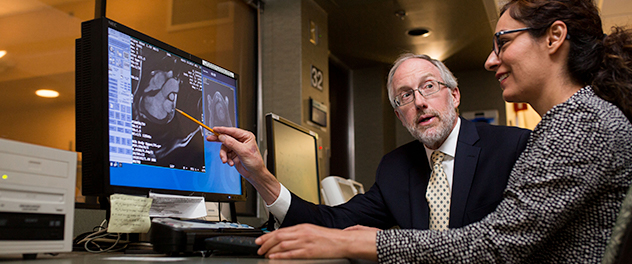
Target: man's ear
point(556, 35)
point(456, 96)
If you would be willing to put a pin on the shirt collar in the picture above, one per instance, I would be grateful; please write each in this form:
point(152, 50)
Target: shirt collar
point(449, 146)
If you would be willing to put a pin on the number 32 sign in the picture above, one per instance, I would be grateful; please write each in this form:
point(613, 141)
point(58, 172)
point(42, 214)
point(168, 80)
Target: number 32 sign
point(317, 78)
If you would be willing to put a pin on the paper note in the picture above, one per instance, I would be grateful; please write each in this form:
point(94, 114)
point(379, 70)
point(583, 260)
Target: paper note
point(129, 214)
point(166, 205)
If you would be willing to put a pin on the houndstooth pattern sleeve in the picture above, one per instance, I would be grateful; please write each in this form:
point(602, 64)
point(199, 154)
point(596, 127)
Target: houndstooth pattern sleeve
point(560, 203)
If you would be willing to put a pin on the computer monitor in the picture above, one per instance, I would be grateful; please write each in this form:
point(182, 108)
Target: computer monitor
point(293, 157)
point(132, 140)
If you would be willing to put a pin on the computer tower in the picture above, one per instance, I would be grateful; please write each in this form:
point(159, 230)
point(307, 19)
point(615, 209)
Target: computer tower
point(37, 195)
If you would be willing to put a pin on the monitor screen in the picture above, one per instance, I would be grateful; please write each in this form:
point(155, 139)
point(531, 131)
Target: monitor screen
point(293, 157)
point(132, 139)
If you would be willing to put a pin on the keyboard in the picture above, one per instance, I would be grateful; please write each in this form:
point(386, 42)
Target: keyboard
point(200, 224)
point(173, 236)
point(239, 245)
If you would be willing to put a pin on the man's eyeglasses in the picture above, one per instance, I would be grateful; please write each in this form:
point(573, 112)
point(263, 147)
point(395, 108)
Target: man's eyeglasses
point(427, 89)
point(498, 43)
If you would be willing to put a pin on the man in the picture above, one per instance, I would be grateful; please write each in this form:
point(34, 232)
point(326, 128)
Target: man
point(477, 160)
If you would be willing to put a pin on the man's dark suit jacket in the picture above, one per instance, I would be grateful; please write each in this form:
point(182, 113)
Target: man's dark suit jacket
point(485, 155)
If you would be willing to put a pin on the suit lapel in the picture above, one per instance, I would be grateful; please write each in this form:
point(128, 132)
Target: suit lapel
point(465, 162)
point(419, 175)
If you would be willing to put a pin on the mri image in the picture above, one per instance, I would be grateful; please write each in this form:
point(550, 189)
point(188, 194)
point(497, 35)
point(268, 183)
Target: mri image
point(218, 109)
point(165, 138)
point(158, 101)
point(220, 104)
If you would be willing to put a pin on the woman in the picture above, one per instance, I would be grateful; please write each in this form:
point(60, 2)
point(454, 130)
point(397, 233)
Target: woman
point(565, 190)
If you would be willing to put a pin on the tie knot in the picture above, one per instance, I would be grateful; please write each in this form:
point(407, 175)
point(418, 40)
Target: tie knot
point(437, 157)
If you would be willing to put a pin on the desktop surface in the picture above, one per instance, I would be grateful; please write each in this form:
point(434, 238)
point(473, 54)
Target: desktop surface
point(107, 258)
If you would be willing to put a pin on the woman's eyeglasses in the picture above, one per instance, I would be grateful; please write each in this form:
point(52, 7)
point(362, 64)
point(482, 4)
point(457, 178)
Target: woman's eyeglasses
point(498, 43)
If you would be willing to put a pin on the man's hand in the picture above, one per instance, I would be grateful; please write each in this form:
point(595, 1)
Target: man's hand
point(239, 149)
point(310, 241)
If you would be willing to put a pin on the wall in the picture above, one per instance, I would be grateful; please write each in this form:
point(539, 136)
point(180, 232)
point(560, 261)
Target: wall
point(287, 59)
point(281, 31)
point(315, 55)
point(373, 122)
point(55, 124)
point(480, 91)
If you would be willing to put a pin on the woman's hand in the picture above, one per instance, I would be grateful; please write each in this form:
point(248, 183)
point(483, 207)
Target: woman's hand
point(311, 241)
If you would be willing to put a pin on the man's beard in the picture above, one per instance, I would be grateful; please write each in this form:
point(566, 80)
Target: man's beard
point(433, 137)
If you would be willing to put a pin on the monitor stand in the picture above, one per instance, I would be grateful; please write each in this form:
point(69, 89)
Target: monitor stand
point(233, 212)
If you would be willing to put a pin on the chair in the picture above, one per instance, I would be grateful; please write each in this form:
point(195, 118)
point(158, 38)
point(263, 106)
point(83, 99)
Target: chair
point(337, 190)
point(619, 248)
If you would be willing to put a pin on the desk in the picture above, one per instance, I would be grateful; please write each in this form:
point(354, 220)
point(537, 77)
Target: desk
point(115, 258)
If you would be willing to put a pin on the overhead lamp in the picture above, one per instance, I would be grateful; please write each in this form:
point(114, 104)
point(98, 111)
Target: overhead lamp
point(46, 93)
point(415, 32)
point(2, 53)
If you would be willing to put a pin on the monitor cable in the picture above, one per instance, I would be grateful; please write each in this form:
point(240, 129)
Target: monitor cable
point(100, 241)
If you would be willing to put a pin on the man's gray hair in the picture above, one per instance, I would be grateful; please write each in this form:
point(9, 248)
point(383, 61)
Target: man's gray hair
point(446, 74)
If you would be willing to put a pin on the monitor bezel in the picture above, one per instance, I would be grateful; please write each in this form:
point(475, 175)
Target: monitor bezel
point(92, 105)
point(271, 152)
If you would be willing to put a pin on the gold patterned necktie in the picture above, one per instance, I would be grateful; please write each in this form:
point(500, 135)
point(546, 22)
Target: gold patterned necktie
point(438, 194)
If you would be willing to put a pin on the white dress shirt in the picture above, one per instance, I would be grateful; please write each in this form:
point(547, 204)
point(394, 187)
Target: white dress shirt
point(282, 204)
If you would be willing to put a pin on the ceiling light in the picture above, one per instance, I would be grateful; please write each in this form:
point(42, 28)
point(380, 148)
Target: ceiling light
point(47, 93)
point(2, 53)
point(419, 32)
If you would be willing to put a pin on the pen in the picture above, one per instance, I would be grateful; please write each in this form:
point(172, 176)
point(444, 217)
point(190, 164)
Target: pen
point(196, 121)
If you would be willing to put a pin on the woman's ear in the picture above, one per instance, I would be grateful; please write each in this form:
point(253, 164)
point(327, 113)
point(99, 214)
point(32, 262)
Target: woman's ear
point(556, 35)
